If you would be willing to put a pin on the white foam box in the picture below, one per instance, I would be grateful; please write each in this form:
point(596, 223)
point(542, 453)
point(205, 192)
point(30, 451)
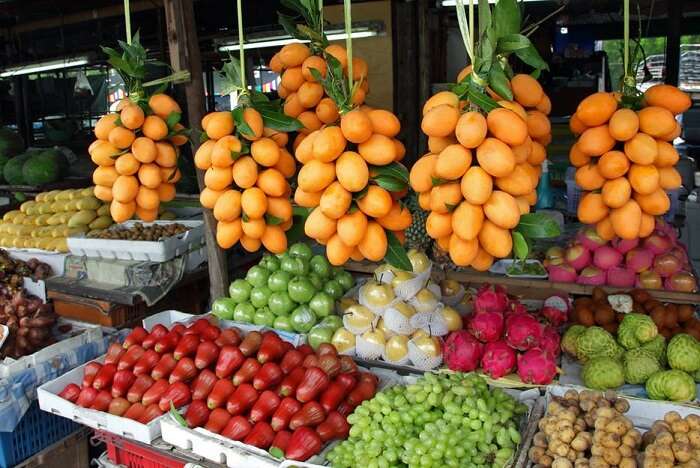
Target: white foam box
point(55, 260)
point(50, 402)
point(234, 454)
point(86, 333)
point(153, 251)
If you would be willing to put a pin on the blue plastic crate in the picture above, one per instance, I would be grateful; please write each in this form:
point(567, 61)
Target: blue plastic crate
point(36, 431)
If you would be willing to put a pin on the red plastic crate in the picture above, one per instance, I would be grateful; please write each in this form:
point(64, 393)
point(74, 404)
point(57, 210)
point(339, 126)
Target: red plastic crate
point(136, 455)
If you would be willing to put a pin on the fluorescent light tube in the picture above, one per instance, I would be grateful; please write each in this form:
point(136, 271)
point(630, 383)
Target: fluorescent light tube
point(277, 41)
point(447, 3)
point(44, 66)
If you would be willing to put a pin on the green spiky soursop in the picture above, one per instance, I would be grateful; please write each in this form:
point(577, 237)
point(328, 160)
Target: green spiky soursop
point(603, 373)
point(683, 353)
point(657, 347)
point(595, 341)
point(568, 341)
point(635, 330)
point(674, 385)
point(639, 365)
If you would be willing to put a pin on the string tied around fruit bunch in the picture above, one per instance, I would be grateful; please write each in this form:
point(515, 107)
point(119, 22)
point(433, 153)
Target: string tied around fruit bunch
point(466, 28)
point(127, 21)
point(347, 13)
point(628, 80)
point(241, 45)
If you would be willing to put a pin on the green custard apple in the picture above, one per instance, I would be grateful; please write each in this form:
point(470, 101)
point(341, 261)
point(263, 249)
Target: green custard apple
point(673, 385)
point(639, 365)
point(635, 330)
point(603, 373)
point(568, 341)
point(657, 347)
point(594, 342)
point(683, 353)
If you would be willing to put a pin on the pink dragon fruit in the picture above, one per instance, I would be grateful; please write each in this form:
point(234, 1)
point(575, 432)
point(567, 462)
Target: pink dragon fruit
point(550, 341)
point(554, 315)
point(523, 332)
point(515, 307)
point(462, 351)
point(491, 299)
point(498, 359)
point(536, 366)
point(486, 326)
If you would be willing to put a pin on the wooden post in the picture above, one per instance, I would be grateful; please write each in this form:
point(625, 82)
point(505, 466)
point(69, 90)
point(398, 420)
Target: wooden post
point(184, 55)
point(425, 55)
point(673, 41)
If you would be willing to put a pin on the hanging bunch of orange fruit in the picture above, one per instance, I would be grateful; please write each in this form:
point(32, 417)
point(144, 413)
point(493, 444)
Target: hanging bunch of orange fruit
point(487, 140)
point(351, 178)
point(136, 150)
point(625, 158)
point(246, 166)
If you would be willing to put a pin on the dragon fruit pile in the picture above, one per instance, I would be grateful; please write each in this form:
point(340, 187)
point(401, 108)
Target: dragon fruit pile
point(659, 261)
point(503, 337)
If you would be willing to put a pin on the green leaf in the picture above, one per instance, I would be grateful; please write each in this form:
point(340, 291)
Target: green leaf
point(484, 17)
point(499, 82)
point(177, 416)
point(506, 17)
point(172, 174)
point(513, 42)
point(361, 194)
point(243, 128)
point(203, 137)
point(301, 211)
point(278, 121)
point(520, 247)
point(481, 100)
point(389, 183)
point(396, 254)
point(530, 56)
point(395, 170)
point(437, 181)
point(273, 220)
point(538, 226)
point(451, 207)
point(245, 217)
point(172, 119)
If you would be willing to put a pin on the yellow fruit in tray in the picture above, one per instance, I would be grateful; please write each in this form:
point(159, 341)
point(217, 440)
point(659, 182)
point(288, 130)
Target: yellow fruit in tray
point(19, 218)
point(10, 215)
point(87, 192)
point(42, 219)
point(82, 218)
point(60, 245)
point(40, 197)
point(88, 203)
point(23, 207)
point(44, 208)
point(64, 195)
point(17, 242)
point(71, 205)
point(101, 222)
point(43, 242)
point(29, 221)
point(103, 210)
point(54, 219)
point(50, 196)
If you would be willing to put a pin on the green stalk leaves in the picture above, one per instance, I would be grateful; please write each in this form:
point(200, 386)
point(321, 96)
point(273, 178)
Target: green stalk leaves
point(395, 253)
point(307, 13)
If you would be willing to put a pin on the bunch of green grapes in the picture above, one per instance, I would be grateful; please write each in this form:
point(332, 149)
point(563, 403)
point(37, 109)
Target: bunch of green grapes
point(451, 420)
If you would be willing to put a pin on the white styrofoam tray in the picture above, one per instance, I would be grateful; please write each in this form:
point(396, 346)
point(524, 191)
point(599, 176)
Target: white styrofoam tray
point(50, 402)
point(154, 251)
point(55, 260)
point(87, 333)
point(234, 454)
point(169, 317)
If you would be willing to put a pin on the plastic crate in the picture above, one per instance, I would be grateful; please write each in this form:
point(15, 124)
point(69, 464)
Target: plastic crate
point(35, 431)
point(573, 191)
point(125, 452)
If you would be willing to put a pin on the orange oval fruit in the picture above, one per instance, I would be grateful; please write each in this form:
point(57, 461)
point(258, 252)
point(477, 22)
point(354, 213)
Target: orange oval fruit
point(166, 192)
point(374, 244)
point(521, 152)
point(384, 122)
point(627, 220)
point(335, 201)
point(163, 105)
point(669, 178)
point(647, 225)
point(440, 121)
point(495, 240)
point(103, 193)
point(338, 52)
point(538, 153)
point(144, 149)
point(265, 152)
point(228, 233)
point(655, 203)
point(125, 188)
point(641, 149)
point(307, 199)
point(310, 121)
point(613, 164)
point(467, 220)
point(666, 155)
point(226, 151)
point(105, 175)
point(518, 182)
point(337, 251)
point(495, 157)
point(476, 185)
point(616, 192)
point(596, 109)
point(315, 175)
point(595, 141)
point(604, 229)
point(121, 212)
point(286, 164)
point(592, 208)
point(452, 162)
point(352, 227)
point(219, 124)
point(352, 171)
point(272, 182)
point(328, 144)
point(202, 157)
point(507, 126)
point(105, 125)
point(150, 175)
point(126, 164)
point(147, 198)
point(254, 202)
point(623, 124)
point(526, 90)
point(208, 197)
point(255, 123)
point(398, 218)
point(441, 98)
point(292, 79)
point(319, 226)
point(538, 124)
point(253, 227)
point(217, 178)
point(577, 158)
point(132, 117)
point(293, 55)
point(502, 210)
point(438, 225)
point(356, 126)
point(376, 202)
point(643, 178)
point(589, 178)
point(121, 137)
point(309, 94)
point(378, 150)
point(471, 129)
point(656, 121)
point(669, 97)
point(313, 62)
point(444, 198)
point(244, 172)
point(462, 252)
point(420, 177)
point(327, 111)
point(166, 155)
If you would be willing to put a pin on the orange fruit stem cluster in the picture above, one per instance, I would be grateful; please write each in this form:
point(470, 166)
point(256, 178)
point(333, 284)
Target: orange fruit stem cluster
point(136, 158)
